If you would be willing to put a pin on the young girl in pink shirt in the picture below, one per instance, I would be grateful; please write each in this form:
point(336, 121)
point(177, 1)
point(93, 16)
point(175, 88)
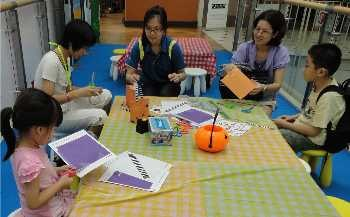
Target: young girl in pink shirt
point(42, 191)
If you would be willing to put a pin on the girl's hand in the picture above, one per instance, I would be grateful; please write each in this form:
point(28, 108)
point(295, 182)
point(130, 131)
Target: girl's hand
point(65, 181)
point(62, 169)
point(177, 77)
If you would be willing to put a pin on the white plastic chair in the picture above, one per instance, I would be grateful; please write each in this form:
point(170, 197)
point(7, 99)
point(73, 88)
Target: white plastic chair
point(198, 76)
point(113, 71)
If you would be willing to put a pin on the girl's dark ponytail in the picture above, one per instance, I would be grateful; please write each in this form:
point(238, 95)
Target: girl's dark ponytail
point(7, 131)
point(33, 107)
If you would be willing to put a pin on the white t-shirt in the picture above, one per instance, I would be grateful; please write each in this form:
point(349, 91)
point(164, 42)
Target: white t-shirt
point(329, 108)
point(51, 68)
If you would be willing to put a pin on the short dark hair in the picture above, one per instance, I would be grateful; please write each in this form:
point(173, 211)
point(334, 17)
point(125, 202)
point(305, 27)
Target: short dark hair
point(151, 13)
point(78, 34)
point(326, 56)
point(33, 107)
point(276, 20)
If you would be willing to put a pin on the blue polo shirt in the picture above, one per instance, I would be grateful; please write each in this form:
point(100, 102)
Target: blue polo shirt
point(157, 67)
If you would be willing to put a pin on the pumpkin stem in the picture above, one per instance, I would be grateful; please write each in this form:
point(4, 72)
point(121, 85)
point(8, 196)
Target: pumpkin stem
point(212, 129)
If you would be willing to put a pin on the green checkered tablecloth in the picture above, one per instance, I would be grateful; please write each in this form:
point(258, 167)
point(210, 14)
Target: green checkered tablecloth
point(257, 175)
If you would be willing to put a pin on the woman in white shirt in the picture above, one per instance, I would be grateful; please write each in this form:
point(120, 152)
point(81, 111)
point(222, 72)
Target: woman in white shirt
point(82, 106)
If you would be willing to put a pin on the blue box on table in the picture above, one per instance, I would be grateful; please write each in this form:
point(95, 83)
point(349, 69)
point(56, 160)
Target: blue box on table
point(160, 130)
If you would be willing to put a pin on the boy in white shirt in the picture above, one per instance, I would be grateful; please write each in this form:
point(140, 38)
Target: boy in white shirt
point(307, 130)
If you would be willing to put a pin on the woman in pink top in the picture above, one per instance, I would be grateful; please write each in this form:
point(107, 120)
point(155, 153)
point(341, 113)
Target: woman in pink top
point(42, 191)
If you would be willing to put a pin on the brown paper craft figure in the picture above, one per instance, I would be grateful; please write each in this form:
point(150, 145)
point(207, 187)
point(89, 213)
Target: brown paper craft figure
point(138, 106)
point(130, 97)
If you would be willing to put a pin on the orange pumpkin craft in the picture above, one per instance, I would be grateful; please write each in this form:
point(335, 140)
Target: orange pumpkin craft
point(211, 138)
point(218, 142)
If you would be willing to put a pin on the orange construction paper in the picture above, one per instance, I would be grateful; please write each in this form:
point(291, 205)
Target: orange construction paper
point(239, 83)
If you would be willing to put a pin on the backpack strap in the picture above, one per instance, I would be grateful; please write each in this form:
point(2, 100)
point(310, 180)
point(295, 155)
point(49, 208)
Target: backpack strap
point(329, 88)
point(142, 52)
point(345, 87)
point(170, 48)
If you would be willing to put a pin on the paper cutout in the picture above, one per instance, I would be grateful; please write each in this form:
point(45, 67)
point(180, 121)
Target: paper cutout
point(239, 83)
point(136, 171)
point(137, 104)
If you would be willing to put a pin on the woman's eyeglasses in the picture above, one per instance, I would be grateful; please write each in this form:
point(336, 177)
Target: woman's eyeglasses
point(155, 30)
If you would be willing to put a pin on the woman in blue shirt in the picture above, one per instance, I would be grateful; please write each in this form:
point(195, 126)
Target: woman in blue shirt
point(159, 58)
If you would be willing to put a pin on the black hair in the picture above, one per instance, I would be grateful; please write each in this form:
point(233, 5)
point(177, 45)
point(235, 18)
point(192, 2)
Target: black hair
point(326, 56)
point(276, 20)
point(151, 13)
point(33, 107)
point(78, 34)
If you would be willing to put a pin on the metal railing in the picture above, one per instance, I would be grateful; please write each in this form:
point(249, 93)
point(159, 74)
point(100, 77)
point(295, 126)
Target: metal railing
point(319, 22)
point(13, 70)
point(306, 20)
point(11, 5)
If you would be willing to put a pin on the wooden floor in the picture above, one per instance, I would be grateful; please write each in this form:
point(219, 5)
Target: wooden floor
point(113, 31)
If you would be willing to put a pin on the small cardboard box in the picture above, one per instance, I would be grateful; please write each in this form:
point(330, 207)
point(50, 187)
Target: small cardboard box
point(160, 130)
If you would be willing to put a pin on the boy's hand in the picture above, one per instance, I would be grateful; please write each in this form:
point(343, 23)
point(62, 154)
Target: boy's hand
point(281, 123)
point(288, 118)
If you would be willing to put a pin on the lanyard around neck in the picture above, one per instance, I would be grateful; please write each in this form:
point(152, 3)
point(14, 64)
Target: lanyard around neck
point(64, 62)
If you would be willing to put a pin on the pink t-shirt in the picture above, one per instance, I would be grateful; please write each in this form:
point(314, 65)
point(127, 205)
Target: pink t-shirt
point(29, 163)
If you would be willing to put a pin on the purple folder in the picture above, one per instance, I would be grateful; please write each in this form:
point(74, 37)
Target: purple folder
point(195, 116)
point(82, 152)
point(125, 179)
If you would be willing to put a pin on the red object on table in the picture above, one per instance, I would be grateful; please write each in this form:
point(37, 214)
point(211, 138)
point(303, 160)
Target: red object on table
point(197, 54)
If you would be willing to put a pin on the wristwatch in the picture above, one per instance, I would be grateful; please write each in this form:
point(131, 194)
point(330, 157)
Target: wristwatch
point(265, 87)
